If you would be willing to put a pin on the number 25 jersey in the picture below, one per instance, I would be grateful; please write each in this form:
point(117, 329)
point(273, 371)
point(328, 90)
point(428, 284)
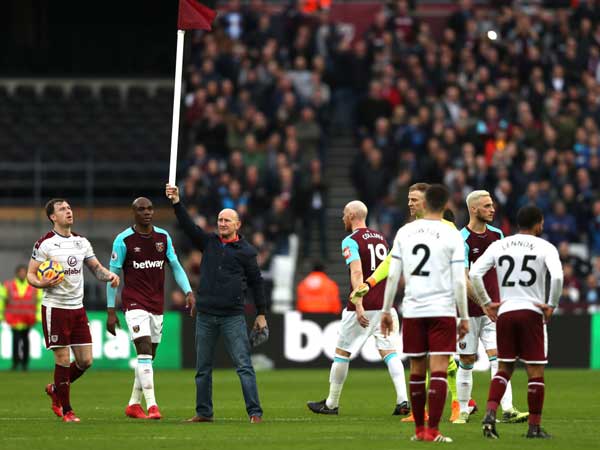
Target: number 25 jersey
point(428, 249)
point(521, 262)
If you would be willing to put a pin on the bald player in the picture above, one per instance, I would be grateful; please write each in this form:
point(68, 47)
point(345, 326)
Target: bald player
point(363, 250)
point(140, 253)
point(416, 206)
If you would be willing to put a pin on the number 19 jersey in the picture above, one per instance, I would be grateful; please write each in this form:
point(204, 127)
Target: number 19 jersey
point(428, 249)
point(371, 248)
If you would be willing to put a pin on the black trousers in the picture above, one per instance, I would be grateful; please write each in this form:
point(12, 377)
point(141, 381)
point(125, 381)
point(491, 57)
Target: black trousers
point(20, 348)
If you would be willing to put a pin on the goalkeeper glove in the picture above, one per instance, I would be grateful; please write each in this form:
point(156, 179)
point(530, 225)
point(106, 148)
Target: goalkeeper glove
point(362, 289)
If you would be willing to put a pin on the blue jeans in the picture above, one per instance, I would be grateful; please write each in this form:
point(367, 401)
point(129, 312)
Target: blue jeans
point(233, 328)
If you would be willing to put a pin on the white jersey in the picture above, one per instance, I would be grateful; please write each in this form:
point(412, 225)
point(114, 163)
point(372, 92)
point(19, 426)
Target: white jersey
point(70, 252)
point(428, 249)
point(521, 262)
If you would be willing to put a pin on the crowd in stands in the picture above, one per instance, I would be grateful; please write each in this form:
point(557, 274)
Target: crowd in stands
point(502, 98)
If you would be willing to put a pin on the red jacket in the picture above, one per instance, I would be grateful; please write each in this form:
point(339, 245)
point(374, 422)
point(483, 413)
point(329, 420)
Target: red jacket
point(318, 293)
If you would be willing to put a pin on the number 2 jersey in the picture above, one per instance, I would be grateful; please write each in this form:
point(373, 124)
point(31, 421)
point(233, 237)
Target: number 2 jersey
point(142, 258)
point(521, 262)
point(371, 248)
point(428, 249)
point(71, 252)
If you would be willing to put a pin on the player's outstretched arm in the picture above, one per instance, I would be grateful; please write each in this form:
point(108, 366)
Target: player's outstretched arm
point(102, 273)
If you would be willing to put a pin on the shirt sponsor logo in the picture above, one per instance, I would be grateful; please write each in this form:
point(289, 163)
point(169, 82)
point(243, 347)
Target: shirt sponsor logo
point(72, 271)
point(160, 246)
point(148, 264)
point(346, 252)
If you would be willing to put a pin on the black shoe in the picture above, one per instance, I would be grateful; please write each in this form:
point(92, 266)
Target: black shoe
point(321, 408)
point(489, 425)
point(536, 432)
point(402, 409)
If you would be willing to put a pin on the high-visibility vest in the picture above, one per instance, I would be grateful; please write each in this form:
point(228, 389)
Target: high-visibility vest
point(21, 307)
point(318, 293)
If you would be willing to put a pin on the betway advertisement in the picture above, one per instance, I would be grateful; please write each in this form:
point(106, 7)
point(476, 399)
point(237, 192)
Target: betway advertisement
point(308, 340)
point(110, 352)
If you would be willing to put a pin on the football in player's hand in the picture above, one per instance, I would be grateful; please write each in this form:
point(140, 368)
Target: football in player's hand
point(49, 270)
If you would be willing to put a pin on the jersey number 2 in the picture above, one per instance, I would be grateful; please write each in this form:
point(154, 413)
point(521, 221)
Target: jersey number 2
point(419, 272)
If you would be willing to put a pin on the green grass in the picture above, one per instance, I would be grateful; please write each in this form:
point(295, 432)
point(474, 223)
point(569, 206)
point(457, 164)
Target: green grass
point(571, 413)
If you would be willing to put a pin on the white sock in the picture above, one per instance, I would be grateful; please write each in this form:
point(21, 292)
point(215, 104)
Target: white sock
point(464, 385)
point(396, 369)
point(146, 376)
point(506, 401)
point(136, 393)
point(337, 376)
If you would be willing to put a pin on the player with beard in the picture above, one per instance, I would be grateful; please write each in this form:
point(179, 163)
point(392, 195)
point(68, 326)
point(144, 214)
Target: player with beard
point(362, 250)
point(140, 253)
point(478, 236)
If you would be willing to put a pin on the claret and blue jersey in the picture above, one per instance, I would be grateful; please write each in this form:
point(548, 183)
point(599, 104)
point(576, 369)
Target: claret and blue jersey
point(141, 258)
point(371, 248)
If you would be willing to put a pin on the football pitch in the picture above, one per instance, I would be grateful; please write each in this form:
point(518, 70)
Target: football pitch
point(571, 413)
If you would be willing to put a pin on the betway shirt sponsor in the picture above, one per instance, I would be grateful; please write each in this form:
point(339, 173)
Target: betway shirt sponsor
point(70, 252)
point(142, 258)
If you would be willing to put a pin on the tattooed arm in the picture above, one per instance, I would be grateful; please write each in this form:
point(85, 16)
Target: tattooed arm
point(101, 273)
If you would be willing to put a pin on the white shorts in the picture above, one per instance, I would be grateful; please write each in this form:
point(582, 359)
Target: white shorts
point(352, 336)
point(479, 328)
point(142, 323)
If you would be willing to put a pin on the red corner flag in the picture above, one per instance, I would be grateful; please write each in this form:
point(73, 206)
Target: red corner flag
point(194, 16)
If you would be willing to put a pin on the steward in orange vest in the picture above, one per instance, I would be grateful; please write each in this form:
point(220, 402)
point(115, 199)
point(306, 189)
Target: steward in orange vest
point(317, 293)
point(20, 308)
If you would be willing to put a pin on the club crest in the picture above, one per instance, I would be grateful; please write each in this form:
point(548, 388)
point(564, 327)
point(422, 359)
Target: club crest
point(160, 246)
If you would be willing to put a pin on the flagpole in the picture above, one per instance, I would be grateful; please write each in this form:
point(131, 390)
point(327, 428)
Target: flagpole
point(176, 106)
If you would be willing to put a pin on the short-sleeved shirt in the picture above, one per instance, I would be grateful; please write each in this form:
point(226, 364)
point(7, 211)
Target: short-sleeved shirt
point(371, 248)
point(71, 252)
point(142, 258)
point(521, 262)
point(428, 249)
point(475, 245)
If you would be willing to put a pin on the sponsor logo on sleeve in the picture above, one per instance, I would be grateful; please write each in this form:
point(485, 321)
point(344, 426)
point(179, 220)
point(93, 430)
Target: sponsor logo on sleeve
point(462, 345)
point(136, 328)
point(346, 252)
point(54, 338)
point(113, 256)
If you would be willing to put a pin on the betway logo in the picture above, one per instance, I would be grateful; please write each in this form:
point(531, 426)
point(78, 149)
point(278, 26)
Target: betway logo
point(148, 264)
point(304, 340)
